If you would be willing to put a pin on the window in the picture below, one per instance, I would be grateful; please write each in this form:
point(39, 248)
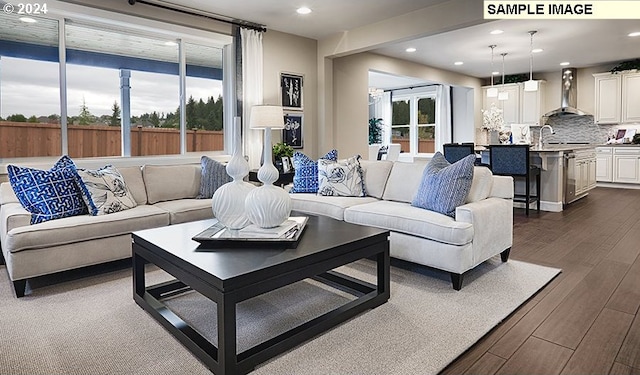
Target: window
point(413, 121)
point(110, 71)
point(29, 88)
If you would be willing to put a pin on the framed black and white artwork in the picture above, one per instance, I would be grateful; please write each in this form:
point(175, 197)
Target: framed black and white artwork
point(291, 91)
point(292, 132)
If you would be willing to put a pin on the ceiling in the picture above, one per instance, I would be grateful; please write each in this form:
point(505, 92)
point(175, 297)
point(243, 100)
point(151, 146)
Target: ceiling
point(583, 43)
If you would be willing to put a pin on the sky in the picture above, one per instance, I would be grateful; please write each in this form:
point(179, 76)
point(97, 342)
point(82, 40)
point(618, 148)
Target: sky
point(31, 87)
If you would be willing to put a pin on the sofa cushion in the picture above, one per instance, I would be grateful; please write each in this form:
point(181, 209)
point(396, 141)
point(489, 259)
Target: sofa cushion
point(104, 191)
point(133, 178)
point(327, 206)
point(170, 182)
point(213, 175)
point(185, 210)
point(444, 186)
point(48, 195)
point(341, 178)
point(375, 174)
point(481, 185)
point(83, 228)
point(305, 178)
point(404, 218)
point(403, 181)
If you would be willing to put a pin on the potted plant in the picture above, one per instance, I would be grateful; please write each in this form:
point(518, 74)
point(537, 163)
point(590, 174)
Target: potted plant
point(282, 150)
point(375, 131)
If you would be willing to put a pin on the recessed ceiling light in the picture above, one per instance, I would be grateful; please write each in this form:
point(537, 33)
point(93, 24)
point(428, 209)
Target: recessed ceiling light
point(27, 20)
point(170, 43)
point(537, 50)
point(636, 33)
point(496, 32)
point(410, 49)
point(303, 10)
point(458, 63)
point(565, 63)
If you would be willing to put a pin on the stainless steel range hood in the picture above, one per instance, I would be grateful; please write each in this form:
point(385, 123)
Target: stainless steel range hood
point(569, 95)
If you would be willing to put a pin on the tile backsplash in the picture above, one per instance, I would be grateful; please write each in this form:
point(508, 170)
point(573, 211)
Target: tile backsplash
point(577, 129)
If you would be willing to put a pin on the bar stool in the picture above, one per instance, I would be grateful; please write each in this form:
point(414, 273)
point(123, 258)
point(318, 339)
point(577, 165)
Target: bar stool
point(456, 151)
point(514, 160)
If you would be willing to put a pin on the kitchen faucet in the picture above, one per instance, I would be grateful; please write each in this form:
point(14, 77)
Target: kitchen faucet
point(540, 137)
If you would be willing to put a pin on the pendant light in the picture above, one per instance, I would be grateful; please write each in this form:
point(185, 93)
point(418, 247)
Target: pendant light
point(503, 95)
point(531, 85)
point(492, 92)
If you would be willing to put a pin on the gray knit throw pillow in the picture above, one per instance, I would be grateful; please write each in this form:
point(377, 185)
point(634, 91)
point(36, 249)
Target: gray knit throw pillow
point(214, 175)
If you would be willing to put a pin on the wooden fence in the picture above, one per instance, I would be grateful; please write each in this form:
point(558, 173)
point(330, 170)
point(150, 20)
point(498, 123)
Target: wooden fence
point(424, 145)
point(20, 139)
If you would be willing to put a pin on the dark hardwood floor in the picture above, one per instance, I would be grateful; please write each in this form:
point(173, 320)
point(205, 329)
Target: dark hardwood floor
point(586, 320)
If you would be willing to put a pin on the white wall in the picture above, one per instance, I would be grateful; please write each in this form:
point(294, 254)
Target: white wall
point(349, 123)
point(293, 54)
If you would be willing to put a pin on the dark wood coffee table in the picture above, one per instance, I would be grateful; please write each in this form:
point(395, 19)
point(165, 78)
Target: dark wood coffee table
point(228, 276)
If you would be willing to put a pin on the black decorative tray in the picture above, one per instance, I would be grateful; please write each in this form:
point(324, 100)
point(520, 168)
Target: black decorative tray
point(286, 234)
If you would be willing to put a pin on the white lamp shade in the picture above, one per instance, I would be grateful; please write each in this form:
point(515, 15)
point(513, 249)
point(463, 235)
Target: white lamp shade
point(267, 116)
point(492, 92)
point(531, 85)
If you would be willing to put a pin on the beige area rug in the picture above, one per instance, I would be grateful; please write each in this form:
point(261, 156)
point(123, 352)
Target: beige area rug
point(92, 325)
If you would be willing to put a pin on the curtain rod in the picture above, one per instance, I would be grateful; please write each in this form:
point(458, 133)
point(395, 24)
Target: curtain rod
point(241, 23)
point(413, 87)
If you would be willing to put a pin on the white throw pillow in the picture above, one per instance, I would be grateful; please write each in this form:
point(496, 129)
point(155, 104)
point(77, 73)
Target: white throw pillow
point(104, 191)
point(341, 178)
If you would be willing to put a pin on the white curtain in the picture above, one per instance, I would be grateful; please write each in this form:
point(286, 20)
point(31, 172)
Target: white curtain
point(252, 61)
point(443, 116)
point(383, 111)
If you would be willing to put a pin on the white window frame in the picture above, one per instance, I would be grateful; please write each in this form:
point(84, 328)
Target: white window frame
point(413, 95)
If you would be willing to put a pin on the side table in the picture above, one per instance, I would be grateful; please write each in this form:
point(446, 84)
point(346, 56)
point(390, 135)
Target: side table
point(283, 179)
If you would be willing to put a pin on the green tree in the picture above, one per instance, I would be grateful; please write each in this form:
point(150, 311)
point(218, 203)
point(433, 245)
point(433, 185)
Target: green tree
point(85, 117)
point(32, 119)
point(154, 119)
point(191, 113)
point(17, 118)
point(54, 118)
point(115, 114)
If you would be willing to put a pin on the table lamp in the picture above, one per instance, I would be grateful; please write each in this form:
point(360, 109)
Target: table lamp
point(267, 206)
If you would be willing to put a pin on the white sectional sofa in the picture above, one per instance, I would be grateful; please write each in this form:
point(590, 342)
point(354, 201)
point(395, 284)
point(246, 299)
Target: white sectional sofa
point(482, 228)
point(165, 195)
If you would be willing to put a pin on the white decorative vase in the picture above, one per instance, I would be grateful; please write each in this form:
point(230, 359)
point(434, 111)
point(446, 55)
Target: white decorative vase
point(228, 202)
point(268, 206)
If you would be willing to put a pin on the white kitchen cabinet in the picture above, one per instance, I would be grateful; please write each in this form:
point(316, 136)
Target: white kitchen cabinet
point(604, 164)
point(608, 98)
point(585, 171)
point(510, 107)
point(626, 165)
point(631, 97)
point(531, 104)
point(616, 100)
point(522, 107)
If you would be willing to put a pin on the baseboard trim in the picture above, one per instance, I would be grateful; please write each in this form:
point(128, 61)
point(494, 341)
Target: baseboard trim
point(544, 206)
point(617, 185)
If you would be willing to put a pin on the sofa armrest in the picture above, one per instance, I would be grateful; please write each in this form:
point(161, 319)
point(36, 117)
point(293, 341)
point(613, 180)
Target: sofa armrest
point(12, 215)
point(6, 194)
point(502, 187)
point(492, 221)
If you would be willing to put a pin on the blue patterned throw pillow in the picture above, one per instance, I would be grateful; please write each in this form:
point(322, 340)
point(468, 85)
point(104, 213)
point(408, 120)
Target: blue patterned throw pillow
point(48, 195)
point(444, 186)
point(305, 178)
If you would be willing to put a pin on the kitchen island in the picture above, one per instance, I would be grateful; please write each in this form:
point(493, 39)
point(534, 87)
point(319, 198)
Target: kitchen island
point(567, 173)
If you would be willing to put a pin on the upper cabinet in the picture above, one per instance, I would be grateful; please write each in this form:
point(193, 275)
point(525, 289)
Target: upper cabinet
point(617, 98)
point(522, 107)
point(631, 97)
